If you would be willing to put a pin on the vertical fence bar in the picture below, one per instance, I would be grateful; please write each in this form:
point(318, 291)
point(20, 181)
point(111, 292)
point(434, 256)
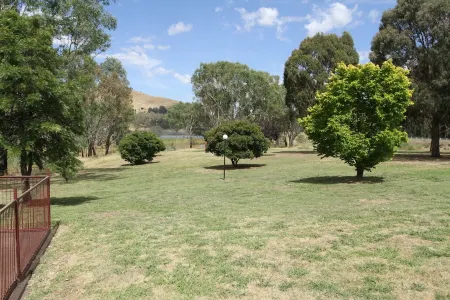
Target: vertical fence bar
point(17, 234)
point(48, 203)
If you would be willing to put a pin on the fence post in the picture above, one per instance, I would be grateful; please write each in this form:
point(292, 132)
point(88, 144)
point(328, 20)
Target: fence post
point(49, 225)
point(17, 233)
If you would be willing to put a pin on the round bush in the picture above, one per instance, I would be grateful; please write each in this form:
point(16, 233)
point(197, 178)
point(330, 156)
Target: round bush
point(140, 147)
point(245, 141)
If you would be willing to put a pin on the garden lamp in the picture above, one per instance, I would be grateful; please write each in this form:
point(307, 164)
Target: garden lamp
point(225, 138)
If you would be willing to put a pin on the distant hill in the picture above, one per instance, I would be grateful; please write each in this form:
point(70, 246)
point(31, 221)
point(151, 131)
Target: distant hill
point(142, 102)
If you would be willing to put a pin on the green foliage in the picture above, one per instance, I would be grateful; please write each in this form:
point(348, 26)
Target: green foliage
point(415, 34)
point(40, 114)
point(112, 65)
point(358, 116)
point(108, 106)
point(245, 141)
point(309, 67)
point(233, 91)
point(140, 147)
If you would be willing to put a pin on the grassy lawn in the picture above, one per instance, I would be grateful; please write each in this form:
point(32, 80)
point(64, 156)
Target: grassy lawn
point(286, 226)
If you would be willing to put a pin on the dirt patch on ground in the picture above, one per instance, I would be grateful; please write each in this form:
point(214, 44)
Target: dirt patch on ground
point(255, 292)
point(121, 281)
point(406, 243)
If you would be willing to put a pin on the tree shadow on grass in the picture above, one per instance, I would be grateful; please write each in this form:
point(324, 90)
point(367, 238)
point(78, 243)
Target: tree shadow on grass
point(339, 179)
point(146, 163)
point(239, 167)
point(297, 152)
point(97, 174)
point(72, 201)
point(419, 156)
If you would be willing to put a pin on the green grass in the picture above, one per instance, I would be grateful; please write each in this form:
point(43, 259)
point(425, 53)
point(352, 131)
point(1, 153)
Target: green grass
point(285, 226)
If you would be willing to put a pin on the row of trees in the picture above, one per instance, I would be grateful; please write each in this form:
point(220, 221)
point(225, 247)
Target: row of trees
point(227, 91)
point(357, 117)
point(415, 35)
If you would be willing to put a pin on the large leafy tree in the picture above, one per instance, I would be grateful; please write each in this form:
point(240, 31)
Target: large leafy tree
point(187, 116)
point(39, 115)
point(80, 26)
point(416, 34)
point(108, 107)
point(309, 67)
point(233, 91)
point(358, 116)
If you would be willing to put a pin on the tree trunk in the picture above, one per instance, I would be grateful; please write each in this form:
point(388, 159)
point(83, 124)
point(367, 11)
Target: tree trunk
point(435, 137)
point(26, 167)
point(190, 142)
point(91, 149)
point(107, 143)
point(26, 163)
point(291, 140)
point(3, 162)
point(234, 162)
point(359, 172)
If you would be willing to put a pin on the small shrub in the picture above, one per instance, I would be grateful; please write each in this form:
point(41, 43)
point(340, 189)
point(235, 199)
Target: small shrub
point(245, 141)
point(140, 147)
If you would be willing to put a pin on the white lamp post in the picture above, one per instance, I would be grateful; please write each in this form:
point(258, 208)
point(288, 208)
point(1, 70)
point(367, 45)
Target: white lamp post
point(225, 138)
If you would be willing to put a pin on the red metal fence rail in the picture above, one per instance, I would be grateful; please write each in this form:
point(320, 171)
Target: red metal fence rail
point(24, 225)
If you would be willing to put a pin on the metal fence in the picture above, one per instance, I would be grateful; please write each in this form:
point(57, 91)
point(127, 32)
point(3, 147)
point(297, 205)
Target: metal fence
point(24, 225)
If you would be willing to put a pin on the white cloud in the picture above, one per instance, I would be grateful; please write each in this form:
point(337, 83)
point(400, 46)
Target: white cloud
point(163, 71)
point(145, 43)
point(140, 39)
point(180, 27)
point(134, 56)
point(265, 17)
point(336, 16)
point(374, 15)
point(218, 9)
point(183, 78)
point(363, 56)
point(163, 47)
point(149, 46)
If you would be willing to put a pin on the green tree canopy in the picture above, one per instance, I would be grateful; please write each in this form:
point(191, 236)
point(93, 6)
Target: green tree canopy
point(358, 116)
point(233, 91)
point(245, 141)
point(39, 114)
point(112, 65)
point(416, 34)
point(309, 67)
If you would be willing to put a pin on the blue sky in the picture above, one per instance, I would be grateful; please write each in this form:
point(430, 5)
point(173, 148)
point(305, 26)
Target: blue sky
point(161, 43)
